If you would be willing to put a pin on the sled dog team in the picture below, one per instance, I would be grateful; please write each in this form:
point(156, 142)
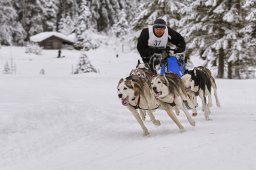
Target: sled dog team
point(143, 91)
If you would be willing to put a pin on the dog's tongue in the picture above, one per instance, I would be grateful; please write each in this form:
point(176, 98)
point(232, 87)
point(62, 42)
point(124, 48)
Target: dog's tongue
point(158, 93)
point(125, 101)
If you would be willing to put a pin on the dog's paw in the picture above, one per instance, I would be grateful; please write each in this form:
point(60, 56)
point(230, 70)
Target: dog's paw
point(182, 130)
point(210, 112)
point(157, 123)
point(145, 133)
point(192, 123)
point(208, 118)
point(218, 104)
point(177, 112)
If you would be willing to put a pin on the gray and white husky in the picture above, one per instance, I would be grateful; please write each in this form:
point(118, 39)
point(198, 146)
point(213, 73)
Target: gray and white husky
point(169, 92)
point(135, 94)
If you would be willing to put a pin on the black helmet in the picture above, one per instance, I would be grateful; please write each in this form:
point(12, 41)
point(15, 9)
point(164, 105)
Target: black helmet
point(159, 23)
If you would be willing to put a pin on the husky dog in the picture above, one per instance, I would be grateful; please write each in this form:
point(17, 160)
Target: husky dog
point(170, 91)
point(135, 94)
point(213, 85)
point(142, 70)
point(199, 82)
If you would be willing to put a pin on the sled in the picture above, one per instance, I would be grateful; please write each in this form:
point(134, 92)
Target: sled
point(172, 65)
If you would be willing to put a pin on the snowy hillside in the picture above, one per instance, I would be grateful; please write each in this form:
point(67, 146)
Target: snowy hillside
point(60, 121)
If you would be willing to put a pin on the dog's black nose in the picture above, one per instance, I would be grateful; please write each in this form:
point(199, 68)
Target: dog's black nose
point(120, 95)
point(154, 88)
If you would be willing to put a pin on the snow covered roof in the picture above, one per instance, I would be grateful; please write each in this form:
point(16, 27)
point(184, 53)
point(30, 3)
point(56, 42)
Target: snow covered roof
point(44, 35)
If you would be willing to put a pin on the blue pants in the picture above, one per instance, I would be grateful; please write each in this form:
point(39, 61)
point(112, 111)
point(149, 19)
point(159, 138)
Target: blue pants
point(173, 66)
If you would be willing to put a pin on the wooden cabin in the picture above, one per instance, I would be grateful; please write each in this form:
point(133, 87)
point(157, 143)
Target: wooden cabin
point(52, 40)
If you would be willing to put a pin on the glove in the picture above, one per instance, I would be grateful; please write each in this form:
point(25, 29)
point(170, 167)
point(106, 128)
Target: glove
point(167, 49)
point(145, 59)
point(177, 50)
point(155, 60)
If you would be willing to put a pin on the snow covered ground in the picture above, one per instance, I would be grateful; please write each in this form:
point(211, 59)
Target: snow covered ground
point(60, 121)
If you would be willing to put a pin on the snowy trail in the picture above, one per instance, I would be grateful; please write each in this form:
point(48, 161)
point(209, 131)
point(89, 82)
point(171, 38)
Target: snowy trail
point(60, 122)
point(109, 138)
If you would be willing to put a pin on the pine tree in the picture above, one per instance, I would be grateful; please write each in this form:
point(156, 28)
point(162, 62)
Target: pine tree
point(32, 18)
point(82, 24)
point(67, 25)
point(149, 11)
point(249, 31)
point(211, 28)
point(49, 14)
point(10, 29)
point(95, 16)
point(67, 16)
point(84, 65)
point(104, 13)
point(38, 15)
point(67, 9)
point(132, 8)
point(168, 10)
point(120, 29)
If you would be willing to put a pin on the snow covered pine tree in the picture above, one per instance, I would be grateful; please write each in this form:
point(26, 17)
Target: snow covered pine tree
point(84, 65)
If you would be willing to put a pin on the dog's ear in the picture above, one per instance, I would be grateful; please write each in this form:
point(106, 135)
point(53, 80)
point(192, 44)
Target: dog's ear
point(120, 81)
point(151, 79)
point(164, 79)
point(129, 83)
point(138, 64)
point(137, 89)
point(132, 72)
point(142, 74)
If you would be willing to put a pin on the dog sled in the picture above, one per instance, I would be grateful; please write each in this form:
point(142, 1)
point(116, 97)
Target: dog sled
point(170, 63)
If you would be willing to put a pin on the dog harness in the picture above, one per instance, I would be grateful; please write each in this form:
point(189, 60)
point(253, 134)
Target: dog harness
point(138, 105)
point(172, 104)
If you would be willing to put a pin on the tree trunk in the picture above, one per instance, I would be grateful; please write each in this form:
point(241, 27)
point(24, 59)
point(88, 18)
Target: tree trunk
point(221, 63)
point(230, 70)
point(230, 64)
point(237, 73)
point(24, 8)
point(24, 13)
